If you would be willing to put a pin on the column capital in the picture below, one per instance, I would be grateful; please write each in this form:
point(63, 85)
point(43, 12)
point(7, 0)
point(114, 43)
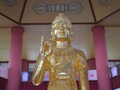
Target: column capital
point(17, 29)
point(98, 28)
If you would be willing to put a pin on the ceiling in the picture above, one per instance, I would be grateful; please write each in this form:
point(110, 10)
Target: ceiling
point(35, 12)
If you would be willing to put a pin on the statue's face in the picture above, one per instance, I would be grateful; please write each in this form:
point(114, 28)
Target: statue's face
point(62, 31)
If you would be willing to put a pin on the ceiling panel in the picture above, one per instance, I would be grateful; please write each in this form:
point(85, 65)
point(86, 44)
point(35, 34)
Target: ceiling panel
point(44, 11)
point(103, 8)
point(29, 12)
point(12, 8)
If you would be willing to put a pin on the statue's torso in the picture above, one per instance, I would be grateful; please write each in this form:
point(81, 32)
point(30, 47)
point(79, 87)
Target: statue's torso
point(62, 69)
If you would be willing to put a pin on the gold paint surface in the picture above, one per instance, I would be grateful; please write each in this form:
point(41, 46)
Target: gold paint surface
point(61, 60)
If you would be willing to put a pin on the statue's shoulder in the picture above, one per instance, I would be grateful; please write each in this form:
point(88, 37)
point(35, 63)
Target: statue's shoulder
point(80, 52)
point(80, 55)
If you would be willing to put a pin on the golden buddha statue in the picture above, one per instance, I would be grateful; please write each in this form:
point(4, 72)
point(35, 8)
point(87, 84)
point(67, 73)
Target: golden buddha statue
point(61, 60)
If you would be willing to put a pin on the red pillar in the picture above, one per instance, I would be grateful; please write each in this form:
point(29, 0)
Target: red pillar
point(15, 58)
point(25, 65)
point(101, 58)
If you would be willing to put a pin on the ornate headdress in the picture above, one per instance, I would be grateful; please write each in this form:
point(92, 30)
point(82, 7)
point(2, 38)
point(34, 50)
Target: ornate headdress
point(61, 19)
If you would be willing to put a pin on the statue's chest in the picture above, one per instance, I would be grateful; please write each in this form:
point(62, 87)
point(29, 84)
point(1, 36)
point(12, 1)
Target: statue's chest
point(62, 59)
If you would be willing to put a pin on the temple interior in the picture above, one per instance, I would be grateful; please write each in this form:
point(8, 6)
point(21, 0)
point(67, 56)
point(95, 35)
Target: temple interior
point(96, 31)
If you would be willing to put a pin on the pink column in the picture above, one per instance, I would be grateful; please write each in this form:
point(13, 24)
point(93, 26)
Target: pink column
point(101, 58)
point(14, 66)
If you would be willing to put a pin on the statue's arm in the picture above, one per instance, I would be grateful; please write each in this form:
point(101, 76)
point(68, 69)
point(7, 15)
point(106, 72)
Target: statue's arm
point(39, 70)
point(81, 60)
point(82, 69)
point(42, 62)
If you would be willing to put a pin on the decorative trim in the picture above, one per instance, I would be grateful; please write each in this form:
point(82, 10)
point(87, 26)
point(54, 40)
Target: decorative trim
point(10, 3)
point(9, 18)
point(108, 16)
point(41, 8)
point(105, 2)
point(92, 10)
point(22, 12)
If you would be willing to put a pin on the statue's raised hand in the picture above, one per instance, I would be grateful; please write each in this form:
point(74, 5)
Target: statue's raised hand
point(45, 48)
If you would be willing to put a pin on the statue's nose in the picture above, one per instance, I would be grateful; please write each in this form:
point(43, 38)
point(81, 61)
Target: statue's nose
point(62, 30)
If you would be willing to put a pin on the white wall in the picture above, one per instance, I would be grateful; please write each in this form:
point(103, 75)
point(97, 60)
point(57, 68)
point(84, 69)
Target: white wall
point(82, 39)
point(113, 43)
point(4, 43)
